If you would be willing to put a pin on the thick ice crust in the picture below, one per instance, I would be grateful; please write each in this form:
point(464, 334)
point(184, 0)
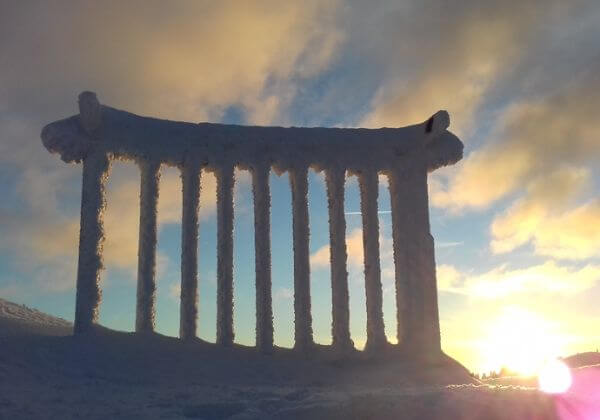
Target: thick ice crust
point(128, 136)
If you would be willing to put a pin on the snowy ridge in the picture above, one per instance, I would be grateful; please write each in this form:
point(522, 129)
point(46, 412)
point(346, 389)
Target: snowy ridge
point(13, 311)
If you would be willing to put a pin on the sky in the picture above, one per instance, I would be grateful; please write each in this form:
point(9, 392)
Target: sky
point(516, 222)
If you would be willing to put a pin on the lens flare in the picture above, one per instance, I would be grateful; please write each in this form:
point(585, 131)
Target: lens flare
point(555, 377)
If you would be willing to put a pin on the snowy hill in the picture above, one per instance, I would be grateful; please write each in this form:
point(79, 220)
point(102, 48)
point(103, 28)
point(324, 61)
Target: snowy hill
point(583, 359)
point(20, 319)
point(110, 374)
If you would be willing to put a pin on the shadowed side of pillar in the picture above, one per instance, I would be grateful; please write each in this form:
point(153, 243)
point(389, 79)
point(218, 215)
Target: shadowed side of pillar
point(369, 191)
point(225, 183)
point(262, 249)
point(335, 178)
point(91, 237)
point(146, 282)
point(400, 236)
point(188, 310)
point(303, 333)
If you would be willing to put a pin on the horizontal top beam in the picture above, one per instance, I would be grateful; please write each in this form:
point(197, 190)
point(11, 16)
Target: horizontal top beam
point(129, 136)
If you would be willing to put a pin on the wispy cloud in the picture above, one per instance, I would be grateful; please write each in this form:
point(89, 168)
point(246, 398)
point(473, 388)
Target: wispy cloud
point(549, 278)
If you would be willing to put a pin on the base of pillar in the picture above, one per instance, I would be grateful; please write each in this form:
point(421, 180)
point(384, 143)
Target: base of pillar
point(265, 349)
point(420, 352)
point(307, 348)
point(376, 346)
point(344, 347)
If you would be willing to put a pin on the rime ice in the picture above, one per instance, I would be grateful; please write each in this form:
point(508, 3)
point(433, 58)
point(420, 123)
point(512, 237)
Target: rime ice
point(405, 155)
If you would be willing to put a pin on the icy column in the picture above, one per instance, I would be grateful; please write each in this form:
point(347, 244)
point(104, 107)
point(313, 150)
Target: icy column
point(303, 335)
point(335, 179)
point(423, 268)
point(91, 237)
point(225, 182)
point(146, 282)
point(416, 289)
point(262, 246)
point(369, 185)
point(399, 197)
point(188, 309)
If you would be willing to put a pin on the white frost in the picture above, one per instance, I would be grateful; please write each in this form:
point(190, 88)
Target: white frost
point(188, 310)
point(369, 191)
point(91, 238)
point(262, 246)
point(335, 178)
point(303, 333)
point(225, 182)
point(405, 154)
point(146, 283)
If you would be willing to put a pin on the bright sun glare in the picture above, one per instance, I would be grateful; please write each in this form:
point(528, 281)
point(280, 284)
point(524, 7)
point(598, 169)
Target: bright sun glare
point(522, 342)
point(555, 377)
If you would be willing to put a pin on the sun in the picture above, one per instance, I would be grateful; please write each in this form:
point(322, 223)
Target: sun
point(555, 377)
point(520, 341)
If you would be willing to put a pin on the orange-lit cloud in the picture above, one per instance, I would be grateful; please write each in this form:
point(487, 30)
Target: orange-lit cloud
point(545, 199)
point(354, 248)
point(532, 139)
point(500, 282)
point(188, 61)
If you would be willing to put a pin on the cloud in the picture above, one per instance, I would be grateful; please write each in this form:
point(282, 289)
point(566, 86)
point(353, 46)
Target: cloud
point(175, 291)
point(549, 278)
point(44, 237)
point(354, 248)
point(572, 235)
point(319, 259)
point(447, 58)
point(532, 138)
point(187, 61)
point(545, 217)
point(545, 198)
point(283, 293)
point(546, 278)
point(448, 278)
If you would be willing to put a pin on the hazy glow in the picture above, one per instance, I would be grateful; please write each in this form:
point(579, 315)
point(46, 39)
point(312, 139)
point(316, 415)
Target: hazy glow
point(555, 377)
point(521, 341)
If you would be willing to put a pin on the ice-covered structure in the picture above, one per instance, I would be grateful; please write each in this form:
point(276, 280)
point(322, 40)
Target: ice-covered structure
point(101, 133)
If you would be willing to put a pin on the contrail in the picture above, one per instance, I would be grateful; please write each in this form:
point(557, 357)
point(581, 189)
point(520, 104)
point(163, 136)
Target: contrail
point(358, 212)
point(448, 244)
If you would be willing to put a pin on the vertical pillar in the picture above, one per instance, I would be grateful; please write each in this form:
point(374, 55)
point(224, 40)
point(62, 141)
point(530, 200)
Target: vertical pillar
point(416, 289)
point(262, 249)
point(335, 179)
point(91, 237)
point(146, 281)
point(369, 191)
point(426, 274)
point(188, 309)
point(401, 239)
point(303, 334)
point(225, 182)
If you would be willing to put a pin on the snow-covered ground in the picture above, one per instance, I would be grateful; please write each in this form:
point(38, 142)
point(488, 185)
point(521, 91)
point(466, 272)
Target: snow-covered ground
point(47, 373)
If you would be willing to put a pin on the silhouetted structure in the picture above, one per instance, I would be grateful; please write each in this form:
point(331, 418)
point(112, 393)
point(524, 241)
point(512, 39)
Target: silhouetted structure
point(100, 133)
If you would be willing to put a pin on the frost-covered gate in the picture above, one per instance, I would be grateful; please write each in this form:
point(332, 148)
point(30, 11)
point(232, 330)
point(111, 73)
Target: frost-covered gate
point(100, 133)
